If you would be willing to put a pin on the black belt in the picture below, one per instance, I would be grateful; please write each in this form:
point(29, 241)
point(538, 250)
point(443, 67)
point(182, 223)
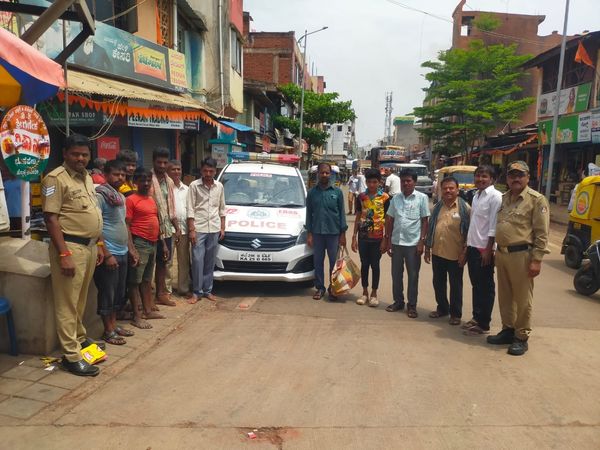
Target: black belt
point(514, 248)
point(78, 240)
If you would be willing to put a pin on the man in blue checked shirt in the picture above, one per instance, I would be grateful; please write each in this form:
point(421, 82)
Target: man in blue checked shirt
point(406, 225)
point(326, 226)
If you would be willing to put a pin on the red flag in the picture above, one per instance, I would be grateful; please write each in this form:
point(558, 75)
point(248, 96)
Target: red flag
point(582, 56)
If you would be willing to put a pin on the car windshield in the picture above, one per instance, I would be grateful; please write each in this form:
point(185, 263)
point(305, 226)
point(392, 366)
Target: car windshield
point(263, 189)
point(421, 171)
point(464, 177)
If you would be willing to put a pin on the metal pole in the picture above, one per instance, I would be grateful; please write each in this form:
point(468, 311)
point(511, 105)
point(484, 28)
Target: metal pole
point(557, 104)
point(67, 112)
point(302, 104)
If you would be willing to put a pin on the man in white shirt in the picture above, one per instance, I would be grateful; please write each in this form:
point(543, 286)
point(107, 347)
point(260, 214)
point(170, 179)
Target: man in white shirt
point(392, 182)
point(182, 244)
point(480, 250)
point(362, 183)
point(352, 190)
point(206, 226)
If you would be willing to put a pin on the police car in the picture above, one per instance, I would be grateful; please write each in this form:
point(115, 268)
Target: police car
point(265, 237)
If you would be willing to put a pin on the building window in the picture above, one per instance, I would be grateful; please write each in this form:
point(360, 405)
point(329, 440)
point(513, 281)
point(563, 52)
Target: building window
point(340, 128)
point(236, 52)
point(181, 26)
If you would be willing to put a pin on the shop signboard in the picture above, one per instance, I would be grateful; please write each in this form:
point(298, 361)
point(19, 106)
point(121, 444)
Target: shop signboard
point(567, 130)
point(137, 120)
point(25, 142)
point(584, 132)
point(113, 52)
point(573, 99)
point(78, 115)
point(108, 147)
point(219, 154)
point(595, 127)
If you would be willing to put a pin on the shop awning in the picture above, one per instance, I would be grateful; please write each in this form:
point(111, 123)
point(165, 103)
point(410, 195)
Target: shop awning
point(236, 126)
point(93, 84)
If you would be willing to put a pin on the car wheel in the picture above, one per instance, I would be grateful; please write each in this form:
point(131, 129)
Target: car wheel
point(585, 281)
point(573, 257)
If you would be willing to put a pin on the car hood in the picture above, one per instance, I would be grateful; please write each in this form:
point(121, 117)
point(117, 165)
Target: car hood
point(257, 219)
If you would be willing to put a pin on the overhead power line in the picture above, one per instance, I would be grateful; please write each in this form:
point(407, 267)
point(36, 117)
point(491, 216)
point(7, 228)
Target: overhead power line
point(445, 19)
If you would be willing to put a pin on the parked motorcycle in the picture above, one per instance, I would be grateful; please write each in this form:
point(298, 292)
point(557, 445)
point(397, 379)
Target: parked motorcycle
point(587, 278)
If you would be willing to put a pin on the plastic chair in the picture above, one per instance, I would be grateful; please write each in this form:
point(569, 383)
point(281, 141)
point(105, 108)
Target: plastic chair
point(6, 310)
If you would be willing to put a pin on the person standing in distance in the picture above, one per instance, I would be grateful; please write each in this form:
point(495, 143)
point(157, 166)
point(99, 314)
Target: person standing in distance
point(522, 239)
point(406, 226)
point(352, 191)
point(480, 250)
point(326, 226)
point(206, 226)
point(392, 182)
point(74, 223)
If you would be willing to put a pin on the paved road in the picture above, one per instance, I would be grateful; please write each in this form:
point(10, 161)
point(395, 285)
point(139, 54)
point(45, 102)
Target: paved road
point(309, 374)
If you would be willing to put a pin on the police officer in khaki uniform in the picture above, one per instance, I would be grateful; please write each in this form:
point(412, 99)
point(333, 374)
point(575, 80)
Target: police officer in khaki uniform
point(74, 223)
point(522, 238)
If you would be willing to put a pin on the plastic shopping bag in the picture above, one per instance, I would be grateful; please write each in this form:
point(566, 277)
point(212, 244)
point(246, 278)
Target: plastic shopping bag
point(346, 273)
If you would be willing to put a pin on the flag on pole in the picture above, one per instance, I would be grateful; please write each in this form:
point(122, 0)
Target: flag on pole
point(582, 56)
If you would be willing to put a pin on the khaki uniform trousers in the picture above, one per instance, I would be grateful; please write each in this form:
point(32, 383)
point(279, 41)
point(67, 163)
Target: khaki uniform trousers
point(70, 297)
point(182, 271)
point(515, 291)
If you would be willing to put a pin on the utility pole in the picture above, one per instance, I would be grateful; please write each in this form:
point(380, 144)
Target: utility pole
point(557, 104)
point(387, 135)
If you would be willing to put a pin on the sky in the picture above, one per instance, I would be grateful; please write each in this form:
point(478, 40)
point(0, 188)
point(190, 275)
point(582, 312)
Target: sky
point(375, 46)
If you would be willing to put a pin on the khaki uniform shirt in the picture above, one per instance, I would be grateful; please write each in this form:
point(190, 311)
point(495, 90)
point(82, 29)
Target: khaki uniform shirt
point(448, 242)
point(72, 196)
point(524, 221)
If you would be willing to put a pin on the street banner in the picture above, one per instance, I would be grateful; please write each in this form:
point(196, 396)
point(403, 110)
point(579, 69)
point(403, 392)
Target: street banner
point(25, 142)
point(573, 99)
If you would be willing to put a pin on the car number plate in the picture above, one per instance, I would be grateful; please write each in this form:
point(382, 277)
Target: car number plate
point(255, 257)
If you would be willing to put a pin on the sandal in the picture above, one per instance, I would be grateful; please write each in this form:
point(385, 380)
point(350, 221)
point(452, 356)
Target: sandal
point(454, 321)
point(124, 332)
point(475, 330)
point(113, 338)
point(362, 300)
point(412, 313)
point(319, 294)
point(436, 314)
point(469, 324)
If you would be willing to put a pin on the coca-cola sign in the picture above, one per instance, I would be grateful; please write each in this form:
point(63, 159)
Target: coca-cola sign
point(108, 147)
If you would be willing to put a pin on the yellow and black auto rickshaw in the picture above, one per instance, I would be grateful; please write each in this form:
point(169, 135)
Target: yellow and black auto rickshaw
point(584, 221)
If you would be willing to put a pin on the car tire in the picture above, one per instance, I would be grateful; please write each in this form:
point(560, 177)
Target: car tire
point(573, 257)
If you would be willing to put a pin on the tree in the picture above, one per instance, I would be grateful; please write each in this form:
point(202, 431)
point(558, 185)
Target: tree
point(487, 22)
point(318, 109)
point(471, 92)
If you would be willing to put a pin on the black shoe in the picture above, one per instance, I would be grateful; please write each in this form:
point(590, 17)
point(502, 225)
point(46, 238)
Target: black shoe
point(518, 347)
point(81, 368)
point(89, 342)
point(505, 337)
point(396, 306)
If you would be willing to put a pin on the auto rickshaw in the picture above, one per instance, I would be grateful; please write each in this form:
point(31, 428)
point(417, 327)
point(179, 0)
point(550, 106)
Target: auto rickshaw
point(334, 179)
point(465, 175)
point(584, 221)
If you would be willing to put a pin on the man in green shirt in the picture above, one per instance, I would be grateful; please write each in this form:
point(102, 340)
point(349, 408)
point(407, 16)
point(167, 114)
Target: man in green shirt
point(326, 226)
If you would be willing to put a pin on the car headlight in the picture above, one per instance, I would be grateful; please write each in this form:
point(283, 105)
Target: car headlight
point(302, 237)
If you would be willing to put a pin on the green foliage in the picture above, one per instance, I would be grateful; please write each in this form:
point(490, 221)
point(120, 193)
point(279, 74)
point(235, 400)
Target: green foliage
point(471, 92)
point(318, 109)
point(487, 22)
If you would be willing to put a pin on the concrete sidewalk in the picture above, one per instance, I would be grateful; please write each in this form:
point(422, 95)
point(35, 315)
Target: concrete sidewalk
point(27, 386)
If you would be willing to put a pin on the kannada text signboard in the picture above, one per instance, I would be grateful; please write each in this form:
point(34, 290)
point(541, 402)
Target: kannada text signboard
point(25, 142)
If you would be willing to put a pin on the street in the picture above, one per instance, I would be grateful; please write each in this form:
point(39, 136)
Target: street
point(307, 374)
